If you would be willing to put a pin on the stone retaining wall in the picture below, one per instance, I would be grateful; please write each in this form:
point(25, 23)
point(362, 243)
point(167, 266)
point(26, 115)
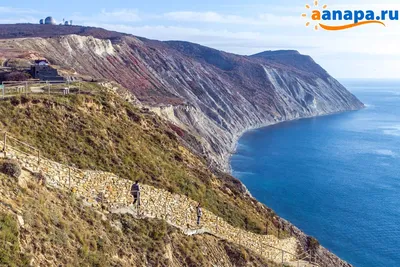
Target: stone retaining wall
point(108, 190)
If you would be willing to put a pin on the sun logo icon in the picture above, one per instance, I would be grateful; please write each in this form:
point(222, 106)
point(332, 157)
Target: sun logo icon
point(313, 13)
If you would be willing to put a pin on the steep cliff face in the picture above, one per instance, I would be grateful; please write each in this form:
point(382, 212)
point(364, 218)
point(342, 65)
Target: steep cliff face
point(212, 94)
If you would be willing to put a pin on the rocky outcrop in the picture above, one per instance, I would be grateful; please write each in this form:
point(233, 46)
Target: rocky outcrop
point(214, 95)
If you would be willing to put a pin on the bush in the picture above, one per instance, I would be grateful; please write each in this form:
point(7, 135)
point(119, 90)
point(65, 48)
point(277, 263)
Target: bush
point(11, 168)
point(17, 76)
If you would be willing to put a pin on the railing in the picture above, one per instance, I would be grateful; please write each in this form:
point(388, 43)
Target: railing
point(324, 262)
point(10, 143)
point(13, 88)
point(107, 190)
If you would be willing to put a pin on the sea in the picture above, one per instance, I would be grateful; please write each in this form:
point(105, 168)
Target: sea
point(336, 177)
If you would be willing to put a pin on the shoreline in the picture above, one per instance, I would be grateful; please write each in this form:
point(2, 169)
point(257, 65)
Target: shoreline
point(236, 137)
point(299, 233)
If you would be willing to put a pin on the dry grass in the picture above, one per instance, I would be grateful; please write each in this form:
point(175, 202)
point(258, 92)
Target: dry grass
point(59, 230)
point(100, 131)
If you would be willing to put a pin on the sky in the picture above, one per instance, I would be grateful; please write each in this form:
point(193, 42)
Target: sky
point(241, 27)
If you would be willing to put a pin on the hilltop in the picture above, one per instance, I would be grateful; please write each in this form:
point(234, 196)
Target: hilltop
point(10, 31)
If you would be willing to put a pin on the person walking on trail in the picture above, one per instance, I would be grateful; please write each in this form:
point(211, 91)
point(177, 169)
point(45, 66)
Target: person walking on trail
point(199, 213)
point(135, 192)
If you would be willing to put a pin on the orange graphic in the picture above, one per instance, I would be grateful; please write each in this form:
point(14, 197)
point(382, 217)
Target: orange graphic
point(348, 26)
point(304, 15)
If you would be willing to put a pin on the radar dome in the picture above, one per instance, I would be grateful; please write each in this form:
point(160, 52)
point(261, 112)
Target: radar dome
point(50, 20)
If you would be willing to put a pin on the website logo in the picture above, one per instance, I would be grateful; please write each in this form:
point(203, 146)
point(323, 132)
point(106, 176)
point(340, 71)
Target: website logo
point(335, 20)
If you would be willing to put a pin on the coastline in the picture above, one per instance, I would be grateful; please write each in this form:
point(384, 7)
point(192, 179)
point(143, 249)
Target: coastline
point(236, 136)
point(302, 236)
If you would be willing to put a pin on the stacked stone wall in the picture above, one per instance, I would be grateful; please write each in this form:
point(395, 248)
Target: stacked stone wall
point(103, 189)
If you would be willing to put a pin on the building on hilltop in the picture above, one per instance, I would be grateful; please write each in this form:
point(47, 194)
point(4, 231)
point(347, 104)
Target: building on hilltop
point(43, 71)
point(51, 21)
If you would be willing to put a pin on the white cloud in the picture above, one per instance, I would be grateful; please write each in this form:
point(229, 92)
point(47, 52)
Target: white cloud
point(113, 16)
point(359, 52)
point(19, 20)
point(265, 19)
point(175, 32)
point(16, 11)
point(126, 15)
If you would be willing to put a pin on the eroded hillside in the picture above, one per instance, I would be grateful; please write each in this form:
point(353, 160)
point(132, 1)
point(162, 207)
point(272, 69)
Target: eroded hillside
point(212, 94)
point(208, 97)
point(99, 130)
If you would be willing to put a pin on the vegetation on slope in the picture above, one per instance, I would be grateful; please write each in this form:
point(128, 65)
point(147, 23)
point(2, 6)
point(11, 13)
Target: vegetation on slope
point(100, 131)
point(59, 230)
point(10, 254)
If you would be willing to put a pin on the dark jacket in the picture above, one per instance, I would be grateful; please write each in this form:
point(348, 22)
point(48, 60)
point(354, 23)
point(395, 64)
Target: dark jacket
point(135, 189)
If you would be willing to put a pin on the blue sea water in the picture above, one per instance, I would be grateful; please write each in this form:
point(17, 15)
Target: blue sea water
point(336, 177)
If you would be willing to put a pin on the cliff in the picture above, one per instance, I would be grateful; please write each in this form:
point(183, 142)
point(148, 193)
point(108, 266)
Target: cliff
point(214, 95)
point(89, 131)
point(208, 96)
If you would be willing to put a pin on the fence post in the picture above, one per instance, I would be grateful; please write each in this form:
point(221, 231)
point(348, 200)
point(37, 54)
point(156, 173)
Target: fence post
point(282, 257)
point(5, 144)
point(137, 203)
point(102, 198)
point(69, 177)
point(186, 218)
point(38, 159)
point(165, 207)
point(4, 90)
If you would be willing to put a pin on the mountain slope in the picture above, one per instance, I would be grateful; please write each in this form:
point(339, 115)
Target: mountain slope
point(209, 97)
point(212, 94)
point(89, 130)
point(41, 226)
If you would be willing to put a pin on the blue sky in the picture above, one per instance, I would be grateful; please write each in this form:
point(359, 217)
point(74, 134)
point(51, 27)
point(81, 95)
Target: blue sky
point(242, 27)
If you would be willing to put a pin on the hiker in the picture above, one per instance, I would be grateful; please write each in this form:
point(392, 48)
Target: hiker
point(135, 192)
point(199, 213)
